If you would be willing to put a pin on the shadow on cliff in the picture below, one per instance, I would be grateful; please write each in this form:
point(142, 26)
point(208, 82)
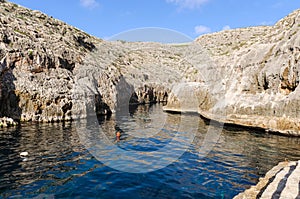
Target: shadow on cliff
point(9, 101)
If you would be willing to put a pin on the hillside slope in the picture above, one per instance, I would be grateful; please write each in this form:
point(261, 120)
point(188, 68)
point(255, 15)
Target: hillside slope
point(50, 71)
point(260, 73)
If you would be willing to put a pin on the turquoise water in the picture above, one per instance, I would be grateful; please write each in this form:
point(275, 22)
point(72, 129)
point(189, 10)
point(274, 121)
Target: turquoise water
point(61, 165)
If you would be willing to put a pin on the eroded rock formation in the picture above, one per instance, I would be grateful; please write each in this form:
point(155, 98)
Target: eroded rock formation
point(50, 71)
point(38, 55)
point(260, 77)
point(282, 181)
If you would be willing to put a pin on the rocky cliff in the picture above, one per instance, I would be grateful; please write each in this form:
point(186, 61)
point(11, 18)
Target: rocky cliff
point(259, 69)
point(38, 55)
point(50, 71)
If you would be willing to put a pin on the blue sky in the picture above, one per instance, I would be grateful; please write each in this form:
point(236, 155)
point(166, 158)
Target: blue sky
point(105, 18)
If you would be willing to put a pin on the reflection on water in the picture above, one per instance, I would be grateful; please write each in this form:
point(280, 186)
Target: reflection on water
point(151, 139)
point(59, 166)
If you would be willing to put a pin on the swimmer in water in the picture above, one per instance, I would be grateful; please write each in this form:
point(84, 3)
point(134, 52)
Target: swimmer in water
point(118, 136)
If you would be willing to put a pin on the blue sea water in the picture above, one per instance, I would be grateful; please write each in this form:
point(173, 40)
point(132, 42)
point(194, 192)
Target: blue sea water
point(61, 164)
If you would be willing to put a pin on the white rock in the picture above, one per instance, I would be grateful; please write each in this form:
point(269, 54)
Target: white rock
point(24, 153)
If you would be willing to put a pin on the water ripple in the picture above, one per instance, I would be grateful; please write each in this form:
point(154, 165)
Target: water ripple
point(59, 166)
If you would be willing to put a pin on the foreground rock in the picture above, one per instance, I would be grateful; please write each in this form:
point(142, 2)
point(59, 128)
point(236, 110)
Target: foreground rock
point(280, 182)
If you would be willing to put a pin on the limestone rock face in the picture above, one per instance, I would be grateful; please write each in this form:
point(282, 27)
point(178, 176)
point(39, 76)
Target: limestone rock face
point(260, 74)
point(131, 73)
point(38, 55)
point(280, 182)
point(50, 71)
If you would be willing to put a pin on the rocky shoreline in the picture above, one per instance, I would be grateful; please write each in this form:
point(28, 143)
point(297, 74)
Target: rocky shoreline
point(6, 122)
point(256, 80)
point(280, 182)
point(50, 72)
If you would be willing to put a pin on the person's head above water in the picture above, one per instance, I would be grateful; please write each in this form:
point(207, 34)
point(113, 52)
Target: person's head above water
point(118, 135)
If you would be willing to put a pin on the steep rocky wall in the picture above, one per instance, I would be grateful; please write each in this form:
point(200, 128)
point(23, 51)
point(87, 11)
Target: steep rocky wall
point(135, 73)
point(37, 57)
point(260, 67)
point(50, 71)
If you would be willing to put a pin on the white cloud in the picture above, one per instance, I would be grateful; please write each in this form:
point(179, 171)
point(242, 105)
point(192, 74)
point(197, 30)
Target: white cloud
point(227, 27)
point(89, 3)
point(191, 4)
point(266, 23)
point(202, 30)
